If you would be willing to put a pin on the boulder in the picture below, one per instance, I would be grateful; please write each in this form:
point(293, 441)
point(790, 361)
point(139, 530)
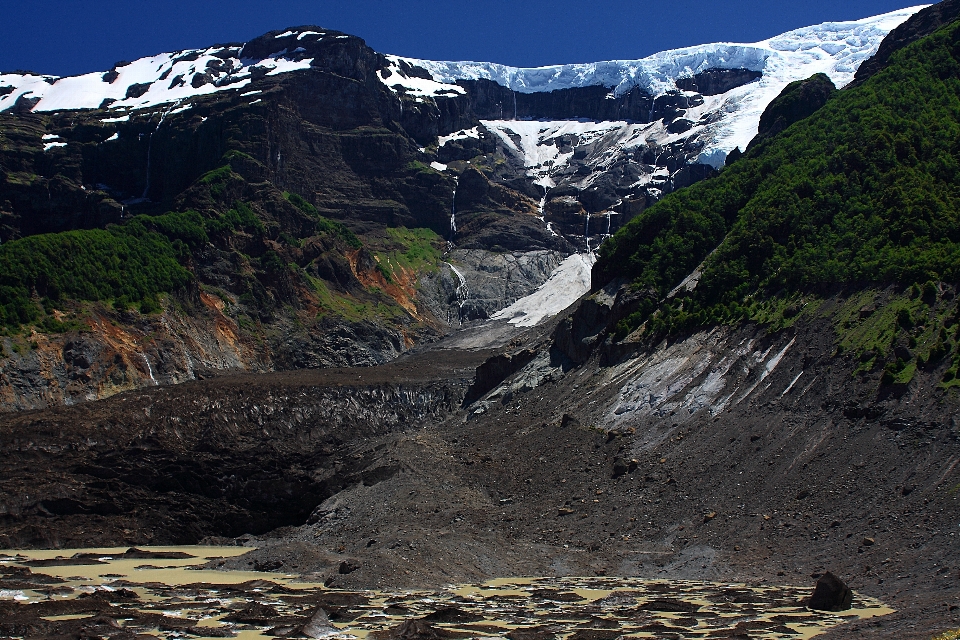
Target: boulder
point(830, 594)
point(411, 630)
point(319, 625)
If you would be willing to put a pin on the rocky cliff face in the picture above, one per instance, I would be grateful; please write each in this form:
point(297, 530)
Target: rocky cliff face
point(925, 22)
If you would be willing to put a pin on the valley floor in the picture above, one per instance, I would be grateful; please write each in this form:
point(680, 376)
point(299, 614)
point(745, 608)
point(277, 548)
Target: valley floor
point(716, 457)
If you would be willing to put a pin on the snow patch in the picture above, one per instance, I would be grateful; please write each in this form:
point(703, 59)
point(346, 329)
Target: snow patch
point(51, 145)
point(439, 166)
point(284, 65)
point(419, 88)
point(566, 284)
point(463, 134)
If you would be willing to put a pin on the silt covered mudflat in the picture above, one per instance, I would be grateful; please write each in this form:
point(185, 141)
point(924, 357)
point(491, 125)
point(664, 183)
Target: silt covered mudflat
point(178, 592)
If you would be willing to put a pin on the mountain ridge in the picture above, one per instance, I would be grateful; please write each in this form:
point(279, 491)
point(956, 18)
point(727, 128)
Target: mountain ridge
point(242, 156)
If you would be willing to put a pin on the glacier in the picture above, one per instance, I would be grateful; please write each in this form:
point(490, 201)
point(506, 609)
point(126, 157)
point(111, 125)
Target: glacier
point(834, 48)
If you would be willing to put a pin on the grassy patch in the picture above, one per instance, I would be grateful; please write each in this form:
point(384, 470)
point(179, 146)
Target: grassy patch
point(324, 225)
point(411, 250)
point(343, 306)
point(218, 179)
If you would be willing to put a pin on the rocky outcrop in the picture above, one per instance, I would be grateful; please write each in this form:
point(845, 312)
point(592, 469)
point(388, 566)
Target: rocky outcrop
point(798, 101)
point(494, 371)
point(713, 82)
point(921, 24)
point(473, 284)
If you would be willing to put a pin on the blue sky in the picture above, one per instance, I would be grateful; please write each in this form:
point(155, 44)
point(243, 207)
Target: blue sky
point(66, 37)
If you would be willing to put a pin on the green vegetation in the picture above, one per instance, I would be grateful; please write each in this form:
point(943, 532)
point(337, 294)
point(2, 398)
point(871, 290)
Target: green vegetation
point(948, 635)
point(419, 249)
point(410, 250)
point(218, 179)
point(127, 264)
point(341, 305)
point(416, 165)
point(867, 190)
point(324, 225)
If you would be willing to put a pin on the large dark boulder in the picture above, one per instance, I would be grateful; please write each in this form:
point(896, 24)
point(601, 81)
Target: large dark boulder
point(494, 371)
point(831, 594)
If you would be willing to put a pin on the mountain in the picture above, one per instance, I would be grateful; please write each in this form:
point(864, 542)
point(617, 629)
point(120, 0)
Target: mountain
point(303, 201)
point(758, 388)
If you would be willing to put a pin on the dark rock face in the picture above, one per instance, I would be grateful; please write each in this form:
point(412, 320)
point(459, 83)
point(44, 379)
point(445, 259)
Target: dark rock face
point(223, 482)
point(831, 594)
point(713, 82)
point(797, 101)
point(496, 370)
point(921, 24)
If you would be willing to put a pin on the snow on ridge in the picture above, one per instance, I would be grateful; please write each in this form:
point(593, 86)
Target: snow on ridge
point(833, 48)
point(166, 78)
point(841, 45)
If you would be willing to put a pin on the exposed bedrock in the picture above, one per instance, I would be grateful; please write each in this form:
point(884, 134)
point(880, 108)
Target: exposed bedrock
point(474, 283)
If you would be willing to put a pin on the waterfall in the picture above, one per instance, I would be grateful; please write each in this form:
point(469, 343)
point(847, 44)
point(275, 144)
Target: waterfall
point(463, 293)
point(163, 116)
point(149, 369)
point(609, 221)
point(453, 210)
point(586, 233)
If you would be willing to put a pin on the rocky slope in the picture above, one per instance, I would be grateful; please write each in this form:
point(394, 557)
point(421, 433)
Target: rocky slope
point(738, 454)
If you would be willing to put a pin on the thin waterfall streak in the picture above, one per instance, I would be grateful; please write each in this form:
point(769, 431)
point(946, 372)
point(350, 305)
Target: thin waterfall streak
point(453, 211)
point(163, 116)
point(149, 370)
point(462, 292)
point(586, 233)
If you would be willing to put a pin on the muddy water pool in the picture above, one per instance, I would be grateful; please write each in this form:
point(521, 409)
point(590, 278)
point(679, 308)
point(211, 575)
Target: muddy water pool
point(169, 592)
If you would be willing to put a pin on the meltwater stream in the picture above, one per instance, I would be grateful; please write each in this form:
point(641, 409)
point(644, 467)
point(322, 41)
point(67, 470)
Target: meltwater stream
point(170, 592)
point(462, 292)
